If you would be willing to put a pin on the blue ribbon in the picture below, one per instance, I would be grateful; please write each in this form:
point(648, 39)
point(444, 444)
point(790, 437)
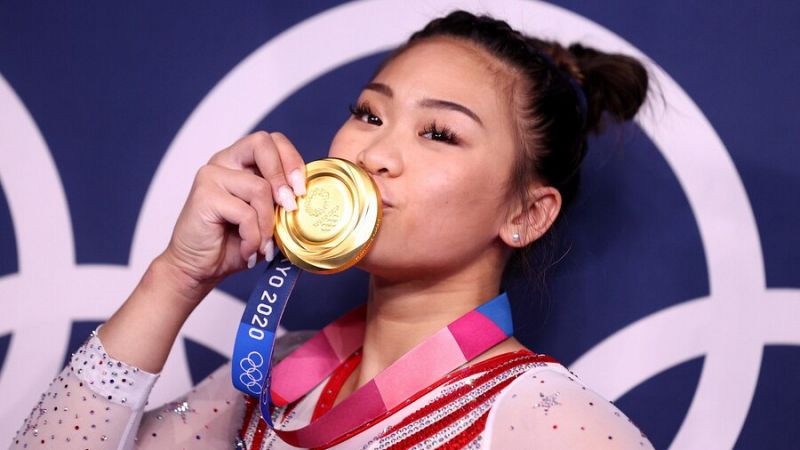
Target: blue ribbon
point(251, 365)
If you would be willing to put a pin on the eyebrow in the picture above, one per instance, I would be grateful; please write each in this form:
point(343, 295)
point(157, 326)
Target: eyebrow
point(380, 88)
point(427, 102)
point(444, 104)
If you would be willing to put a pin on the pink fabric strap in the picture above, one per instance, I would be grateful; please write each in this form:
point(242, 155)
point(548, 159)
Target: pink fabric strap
point(441, 353)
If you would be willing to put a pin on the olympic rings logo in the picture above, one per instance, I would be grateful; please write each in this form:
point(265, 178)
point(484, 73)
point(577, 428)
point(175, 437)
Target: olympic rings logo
point(251, 375)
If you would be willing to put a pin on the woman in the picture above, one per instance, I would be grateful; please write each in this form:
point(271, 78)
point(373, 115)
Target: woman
point(474, 134)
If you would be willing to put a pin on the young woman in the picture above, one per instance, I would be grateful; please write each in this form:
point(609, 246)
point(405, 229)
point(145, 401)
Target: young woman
point(474, 134)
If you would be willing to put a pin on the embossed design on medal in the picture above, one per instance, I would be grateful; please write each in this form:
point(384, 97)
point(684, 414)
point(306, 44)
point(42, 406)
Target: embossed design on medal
point(325, 207)
point(252, 375)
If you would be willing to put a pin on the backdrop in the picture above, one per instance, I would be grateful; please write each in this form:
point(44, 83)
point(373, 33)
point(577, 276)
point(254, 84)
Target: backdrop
point(676, 294)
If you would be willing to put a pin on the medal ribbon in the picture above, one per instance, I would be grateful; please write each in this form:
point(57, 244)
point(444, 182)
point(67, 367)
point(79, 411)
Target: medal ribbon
point(309, 365)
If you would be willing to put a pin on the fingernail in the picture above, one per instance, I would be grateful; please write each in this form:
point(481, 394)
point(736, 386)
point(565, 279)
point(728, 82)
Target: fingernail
point(251, 261)
point(298, 182)
point(269, 250)
point(286, 198)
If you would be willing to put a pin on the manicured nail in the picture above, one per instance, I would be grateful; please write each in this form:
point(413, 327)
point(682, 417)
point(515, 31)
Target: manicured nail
point(286, 198)
point(251, 261)
point(269, 250)
point(298, 182)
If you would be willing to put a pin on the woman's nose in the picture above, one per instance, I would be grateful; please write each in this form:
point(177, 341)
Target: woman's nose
point(381, 159)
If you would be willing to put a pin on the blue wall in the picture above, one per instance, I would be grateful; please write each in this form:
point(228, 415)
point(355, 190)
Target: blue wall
point(110, 85)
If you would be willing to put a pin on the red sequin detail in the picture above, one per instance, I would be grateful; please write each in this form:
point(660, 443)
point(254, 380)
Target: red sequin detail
point(424, 411)
point(464, 372)
point(465, 437)
point(250, 407)
point(258, 436)
point(450, 419)
point(476, 427)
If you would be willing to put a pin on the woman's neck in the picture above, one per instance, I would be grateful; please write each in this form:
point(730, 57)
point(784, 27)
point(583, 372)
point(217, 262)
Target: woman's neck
point(401, 314)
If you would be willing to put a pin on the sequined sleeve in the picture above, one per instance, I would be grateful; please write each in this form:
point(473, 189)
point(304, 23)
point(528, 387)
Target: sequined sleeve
point(95, 402)
point(549, 408)
point(209, 416)
point(98, 402)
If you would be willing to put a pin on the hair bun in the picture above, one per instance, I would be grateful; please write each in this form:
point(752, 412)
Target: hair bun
point(614, 84)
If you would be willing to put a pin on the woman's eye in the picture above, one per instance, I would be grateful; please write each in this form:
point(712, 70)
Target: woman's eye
point(442, 134)
point(363, 113)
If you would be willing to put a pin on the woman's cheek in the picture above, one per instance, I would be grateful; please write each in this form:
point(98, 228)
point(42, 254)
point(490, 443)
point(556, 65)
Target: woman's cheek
point(437, 183)
point(345, 144)
point(343, 148)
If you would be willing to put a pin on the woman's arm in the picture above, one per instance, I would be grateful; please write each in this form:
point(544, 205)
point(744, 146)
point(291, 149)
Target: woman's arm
point(238, 186)
point(98, 399)
point(98, 402)
point(141, 332)
point(95, 402)
point(226, 221)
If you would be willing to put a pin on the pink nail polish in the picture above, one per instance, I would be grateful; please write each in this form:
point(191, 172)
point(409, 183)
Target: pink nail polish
point(286, 198)
point(269, 251)
point(298, 182)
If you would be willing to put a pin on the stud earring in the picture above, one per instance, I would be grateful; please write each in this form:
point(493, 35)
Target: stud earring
point(515, 237)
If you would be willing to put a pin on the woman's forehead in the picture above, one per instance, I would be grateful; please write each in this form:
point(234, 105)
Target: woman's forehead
point(451, 69)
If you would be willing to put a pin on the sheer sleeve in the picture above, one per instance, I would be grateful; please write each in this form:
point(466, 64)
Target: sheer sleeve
point(549, 408)
point(95, 402)
point(210, 416)
point(207, 417)
point(98, 402)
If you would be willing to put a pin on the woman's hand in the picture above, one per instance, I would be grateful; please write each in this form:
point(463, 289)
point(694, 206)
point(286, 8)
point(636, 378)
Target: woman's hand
point(228, 218)
point(226, 221)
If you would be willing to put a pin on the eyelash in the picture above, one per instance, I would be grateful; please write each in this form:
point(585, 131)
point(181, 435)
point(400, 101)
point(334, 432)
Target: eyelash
point(362, 110)
point(444, 134)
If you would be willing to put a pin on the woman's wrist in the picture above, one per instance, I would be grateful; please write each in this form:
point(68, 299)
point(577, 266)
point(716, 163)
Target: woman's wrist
point(169, 281)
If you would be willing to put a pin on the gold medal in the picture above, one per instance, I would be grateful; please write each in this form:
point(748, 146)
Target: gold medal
point(335, 222)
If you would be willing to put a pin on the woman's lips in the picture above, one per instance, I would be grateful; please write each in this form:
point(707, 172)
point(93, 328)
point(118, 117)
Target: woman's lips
point(385, 202)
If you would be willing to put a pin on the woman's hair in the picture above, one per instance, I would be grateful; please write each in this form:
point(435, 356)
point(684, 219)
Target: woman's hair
point(560, 95)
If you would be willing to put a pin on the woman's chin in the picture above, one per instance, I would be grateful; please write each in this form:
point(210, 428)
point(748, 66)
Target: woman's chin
point(381, 264)
point(372, 262)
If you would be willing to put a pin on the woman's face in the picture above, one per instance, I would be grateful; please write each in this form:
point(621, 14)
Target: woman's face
point(434, 129)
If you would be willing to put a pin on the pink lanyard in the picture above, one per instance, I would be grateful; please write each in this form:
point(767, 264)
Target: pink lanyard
point(449, 348)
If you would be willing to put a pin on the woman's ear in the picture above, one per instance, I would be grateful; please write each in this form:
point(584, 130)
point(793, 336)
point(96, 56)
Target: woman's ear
point(528, 222)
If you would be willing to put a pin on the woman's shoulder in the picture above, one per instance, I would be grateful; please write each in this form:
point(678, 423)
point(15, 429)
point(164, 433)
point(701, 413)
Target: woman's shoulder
point(547, 406)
